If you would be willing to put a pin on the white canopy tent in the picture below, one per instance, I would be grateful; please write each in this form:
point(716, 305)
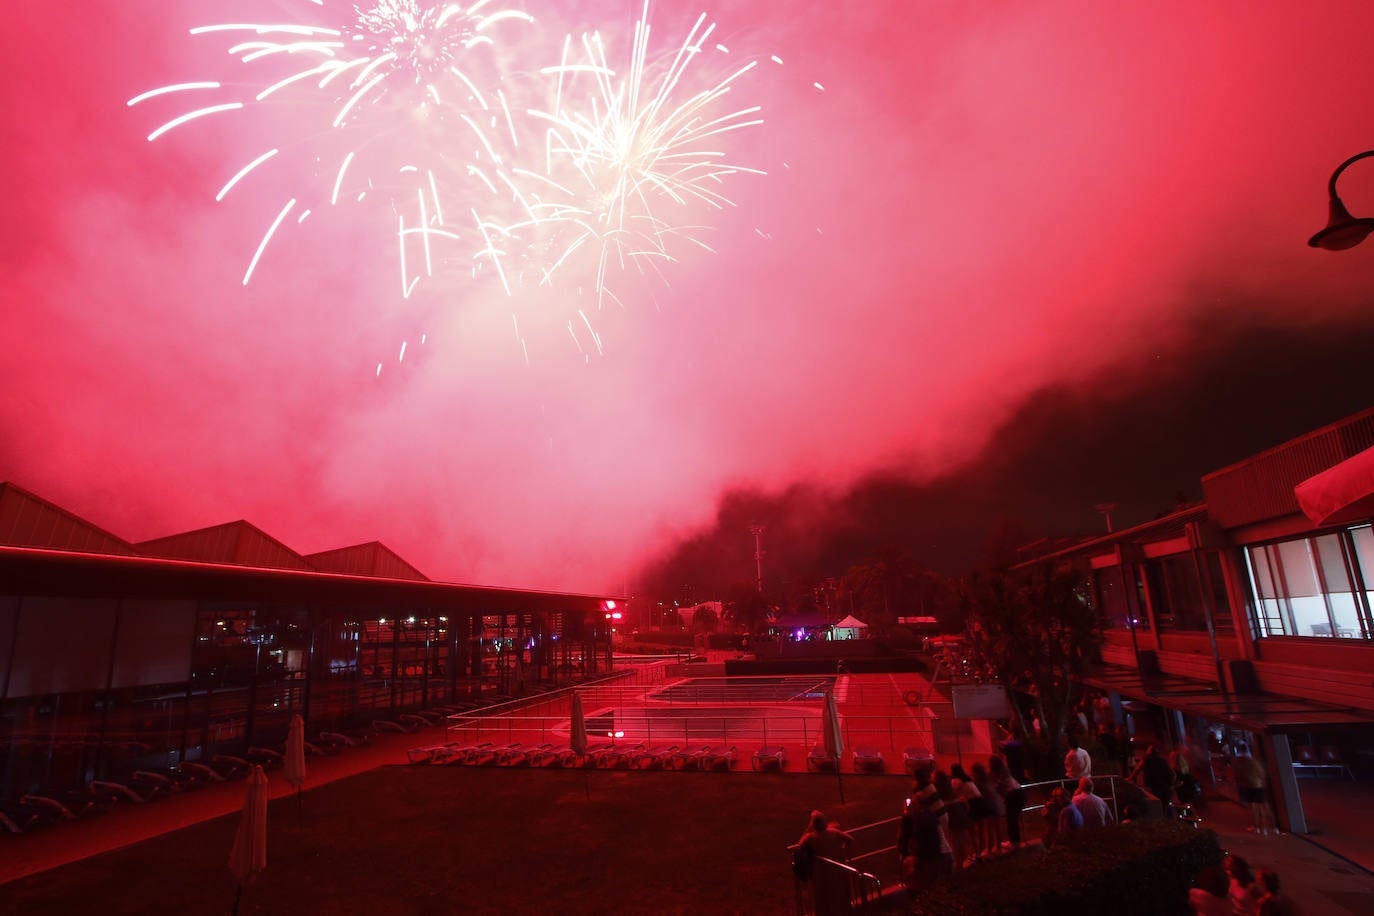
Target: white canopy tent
point(849, 628)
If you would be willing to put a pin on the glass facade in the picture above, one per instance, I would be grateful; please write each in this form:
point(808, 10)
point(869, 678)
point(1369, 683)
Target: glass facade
point(97, 689)
point(1314, 586)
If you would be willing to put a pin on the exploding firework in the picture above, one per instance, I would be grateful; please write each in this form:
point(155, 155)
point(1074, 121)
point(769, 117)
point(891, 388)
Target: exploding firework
point(546, 175)
point(626, 154)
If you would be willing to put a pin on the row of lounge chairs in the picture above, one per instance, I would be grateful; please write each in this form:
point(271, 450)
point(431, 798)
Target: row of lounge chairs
point(605, 755)
point(36, 810)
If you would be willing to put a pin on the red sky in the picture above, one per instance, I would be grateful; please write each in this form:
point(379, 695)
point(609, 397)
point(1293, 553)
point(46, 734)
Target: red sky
point(986, 199)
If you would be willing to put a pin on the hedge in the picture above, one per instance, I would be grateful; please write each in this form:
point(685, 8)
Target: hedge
point(1137, 869)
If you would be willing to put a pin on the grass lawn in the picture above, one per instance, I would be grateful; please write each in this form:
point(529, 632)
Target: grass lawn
point(476, 840)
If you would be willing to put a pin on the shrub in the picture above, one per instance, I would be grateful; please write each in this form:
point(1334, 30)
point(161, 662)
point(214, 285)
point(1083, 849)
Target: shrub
point(1138, 869)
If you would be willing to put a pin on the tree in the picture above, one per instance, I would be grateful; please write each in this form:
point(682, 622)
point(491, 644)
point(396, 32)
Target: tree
point(882, 589)
point(705, 619)
point(749, 610)
point(1036, 630)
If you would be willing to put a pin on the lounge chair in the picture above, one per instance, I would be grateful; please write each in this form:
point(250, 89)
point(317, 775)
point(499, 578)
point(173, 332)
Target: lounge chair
point(430, 754)
point(229, 766)
point(687, 760)
point(151, 785)
point(817, 759)
point(384, 726)
point(721, 760)
point(915, 759)
point(459, 753)
point(489, 756)
point(869, 760)
point(414, 721)
point(19, 821)
point(202, 772)
point(770, 757)
point(264, 757)
point(595, 754)
point(339, 740)
point(108, 788)
point(551, 756)
point(56, 809)
point(520, 755)
point(655, 757)
point(616, 756)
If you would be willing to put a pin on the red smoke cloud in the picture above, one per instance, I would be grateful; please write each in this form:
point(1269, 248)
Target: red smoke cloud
point(984, 200)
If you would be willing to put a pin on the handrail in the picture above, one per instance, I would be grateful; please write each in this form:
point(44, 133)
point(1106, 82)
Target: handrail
point(857, 878)
point(1110, 779)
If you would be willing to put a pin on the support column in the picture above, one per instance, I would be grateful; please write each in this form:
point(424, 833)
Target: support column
point(1278, 757)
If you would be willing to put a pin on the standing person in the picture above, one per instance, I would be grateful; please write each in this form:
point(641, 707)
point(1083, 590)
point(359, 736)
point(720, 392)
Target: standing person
point(1156, 774)
point(1275, 902)
point(994, 810)
point(968, 790)
point(957, 819)
point(1251, 781)
point(923, 842)
point(1095, 812)
point(1077, 763)
point(1060, 817)
point(1186, 786)
point(1013, 796)
point(830, 885)
point(1245, 892)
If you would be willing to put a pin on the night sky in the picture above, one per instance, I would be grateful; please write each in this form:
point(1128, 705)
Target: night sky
point(1009, 261)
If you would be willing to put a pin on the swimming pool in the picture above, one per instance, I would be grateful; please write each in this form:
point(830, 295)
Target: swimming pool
point(709, 724)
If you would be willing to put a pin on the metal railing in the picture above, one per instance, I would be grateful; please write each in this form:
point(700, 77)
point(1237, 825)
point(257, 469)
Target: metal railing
point(865, 889)
point(891, 733)
point(1044, 787)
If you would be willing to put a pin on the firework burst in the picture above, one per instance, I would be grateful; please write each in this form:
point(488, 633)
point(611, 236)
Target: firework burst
point(548, 176)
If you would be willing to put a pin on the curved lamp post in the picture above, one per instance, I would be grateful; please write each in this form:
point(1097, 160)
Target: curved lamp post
point(1342, 230)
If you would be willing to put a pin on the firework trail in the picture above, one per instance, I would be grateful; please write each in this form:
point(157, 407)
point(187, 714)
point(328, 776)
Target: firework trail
point(395, 77)
point(544, 177)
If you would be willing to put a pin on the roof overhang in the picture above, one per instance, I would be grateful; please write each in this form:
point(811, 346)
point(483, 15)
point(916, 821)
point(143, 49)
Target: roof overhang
point(1257, 712)
point(33, 571)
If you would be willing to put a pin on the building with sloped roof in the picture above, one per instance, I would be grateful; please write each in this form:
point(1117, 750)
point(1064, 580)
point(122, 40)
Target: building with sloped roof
point(118, 657)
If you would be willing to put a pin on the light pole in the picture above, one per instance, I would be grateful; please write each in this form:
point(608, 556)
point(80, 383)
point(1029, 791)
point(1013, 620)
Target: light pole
point(1342, 230)
point(758, 531)
point(1107, 509)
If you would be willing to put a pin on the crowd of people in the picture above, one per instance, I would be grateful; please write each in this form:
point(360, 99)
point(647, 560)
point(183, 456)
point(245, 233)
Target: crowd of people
point(954, 819)
point(1233, 889)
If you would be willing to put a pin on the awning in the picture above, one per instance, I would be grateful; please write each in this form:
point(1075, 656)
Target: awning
point(1256, 712)
point(1342, 493)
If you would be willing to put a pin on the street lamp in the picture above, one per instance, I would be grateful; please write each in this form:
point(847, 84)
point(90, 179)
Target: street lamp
point(1342, 230)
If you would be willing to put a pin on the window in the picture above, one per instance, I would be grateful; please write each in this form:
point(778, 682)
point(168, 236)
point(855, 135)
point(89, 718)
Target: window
point(1313, 586)
point(1110, 597)
point(1175, 593)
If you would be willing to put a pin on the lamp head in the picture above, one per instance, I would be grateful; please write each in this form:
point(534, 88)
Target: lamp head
point(1342, 230)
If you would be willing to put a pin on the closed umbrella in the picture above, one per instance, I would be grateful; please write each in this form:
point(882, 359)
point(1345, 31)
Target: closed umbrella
point(293, 767)
point(834, 737)
point(577, 740)
point(249, 855)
